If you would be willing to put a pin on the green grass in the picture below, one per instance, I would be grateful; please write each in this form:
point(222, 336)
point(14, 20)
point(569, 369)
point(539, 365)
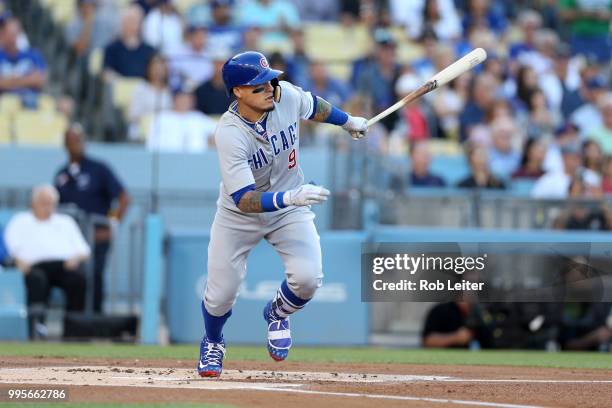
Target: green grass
point(320, 355)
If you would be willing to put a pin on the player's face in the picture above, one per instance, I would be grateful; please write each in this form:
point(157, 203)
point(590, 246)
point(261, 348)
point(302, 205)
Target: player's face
point(257, 97)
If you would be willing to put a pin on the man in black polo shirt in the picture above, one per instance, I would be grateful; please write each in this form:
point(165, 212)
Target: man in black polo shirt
point(93, 187)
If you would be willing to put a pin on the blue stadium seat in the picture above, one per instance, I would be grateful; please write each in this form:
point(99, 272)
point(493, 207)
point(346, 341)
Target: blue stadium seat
point(13, 310)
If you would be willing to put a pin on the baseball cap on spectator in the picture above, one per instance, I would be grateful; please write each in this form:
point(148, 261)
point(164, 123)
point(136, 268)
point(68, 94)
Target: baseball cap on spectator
point(596, 82)
point(193, 27)
point(566, 127)
point(384, 37)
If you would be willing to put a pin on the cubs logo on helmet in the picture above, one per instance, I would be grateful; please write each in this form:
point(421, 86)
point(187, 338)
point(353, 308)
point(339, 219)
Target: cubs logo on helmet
point(247, 68)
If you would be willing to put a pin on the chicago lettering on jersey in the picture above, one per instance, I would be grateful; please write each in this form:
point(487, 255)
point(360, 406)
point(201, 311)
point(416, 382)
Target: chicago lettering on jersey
point(281, 142)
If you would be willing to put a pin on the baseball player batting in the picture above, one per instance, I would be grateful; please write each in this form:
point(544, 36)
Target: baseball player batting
point(263, 196)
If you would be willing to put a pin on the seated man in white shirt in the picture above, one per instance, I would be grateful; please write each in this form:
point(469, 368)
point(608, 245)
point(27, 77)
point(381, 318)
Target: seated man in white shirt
point(182, 129)
point(48, 248)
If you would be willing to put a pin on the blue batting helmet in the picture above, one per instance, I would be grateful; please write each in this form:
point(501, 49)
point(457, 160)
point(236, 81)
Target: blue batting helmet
point(247, 68)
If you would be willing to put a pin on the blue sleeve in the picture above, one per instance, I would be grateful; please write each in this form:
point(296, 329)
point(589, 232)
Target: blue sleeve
point(237, 195)
point(270, 201)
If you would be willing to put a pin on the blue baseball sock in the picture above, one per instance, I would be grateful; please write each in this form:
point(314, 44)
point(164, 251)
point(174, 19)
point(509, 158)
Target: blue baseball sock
point(286, 302)
point(214, 325)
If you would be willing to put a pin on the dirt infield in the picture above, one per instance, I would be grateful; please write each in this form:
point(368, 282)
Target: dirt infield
point(270, 384)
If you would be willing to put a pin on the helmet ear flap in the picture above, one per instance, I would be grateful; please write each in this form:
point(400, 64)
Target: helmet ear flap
point(277, 90)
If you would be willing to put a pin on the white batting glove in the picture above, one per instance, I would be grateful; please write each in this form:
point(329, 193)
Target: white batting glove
point(307, 194)
point(356, 126)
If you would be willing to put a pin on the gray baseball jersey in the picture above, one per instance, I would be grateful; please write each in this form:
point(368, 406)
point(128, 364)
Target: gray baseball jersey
point(271, 164)
point(247, 158)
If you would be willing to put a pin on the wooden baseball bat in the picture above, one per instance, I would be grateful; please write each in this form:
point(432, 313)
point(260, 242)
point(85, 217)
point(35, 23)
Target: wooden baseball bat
point(449, 73)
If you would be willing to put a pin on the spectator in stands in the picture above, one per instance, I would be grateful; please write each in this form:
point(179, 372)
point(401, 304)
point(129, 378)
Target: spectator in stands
point(603, 133)
point(23, 44)
point(277, 18)
point(498, 67)
point(424, 66)
point(150, 96)
point(503, 157)
point(181, 129)
point(588, 117)
point(579, 216)
point(298, 63)
point(377, 76)
point(592, 156)
point(529, 22)
point(455, 324)
point(163, 27)
point(526, 84)
point(211, 96)
point(94, 188)
point(128, 56)
point(481, 97)
point(324, 85)
point(541, 59)
point(480, 173)
point(589, 25)
point(555, 184)
point(578, 75)
point(480, 14)
point(565, 134)
point(420, 174)
point(252, 36)
point(317, 11)
point(532, 161)
point(541, 119)
point(22, 72)
point(414, 115)
point(89, 29)
point(190, 63)
point(223, 34)
point(49, 249)
point(556, 83)
point(448, 103)
point(437, 15)
point(278, 62)
point(585, 325)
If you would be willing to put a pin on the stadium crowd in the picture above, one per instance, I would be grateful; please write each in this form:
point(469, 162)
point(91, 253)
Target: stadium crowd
point(539, 108)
